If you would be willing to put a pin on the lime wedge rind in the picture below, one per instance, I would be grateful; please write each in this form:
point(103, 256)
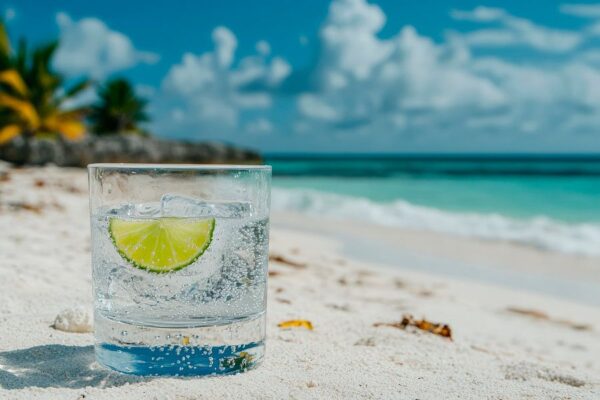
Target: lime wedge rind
point(131, 259)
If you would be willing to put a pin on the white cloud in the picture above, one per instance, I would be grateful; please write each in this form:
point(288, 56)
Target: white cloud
point(370, 90)
point(316, 107)
point(259, 126)
point(89, 47)
point(594, 29)
point(263, 47)
point(590, 11)
point(192, 75)
point(278, 71)
point(10, 14)
point(410, 83)
point(515, 31)
point(210, 90)
point(178, 115)
point(348, 35)
point(407, 72)
point(225, 45)
point(490, 38)
point(581, 10)
point(479, 14)
point(146, 91)
point(591, 57)
point(573, 85)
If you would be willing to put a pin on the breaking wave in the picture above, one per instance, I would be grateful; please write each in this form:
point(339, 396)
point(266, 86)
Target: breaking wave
point(540, 232)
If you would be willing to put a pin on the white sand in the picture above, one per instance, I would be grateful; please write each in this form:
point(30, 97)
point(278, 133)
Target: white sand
point(495, 354)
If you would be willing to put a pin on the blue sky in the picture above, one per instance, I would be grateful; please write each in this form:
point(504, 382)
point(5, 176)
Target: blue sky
point(346, 75)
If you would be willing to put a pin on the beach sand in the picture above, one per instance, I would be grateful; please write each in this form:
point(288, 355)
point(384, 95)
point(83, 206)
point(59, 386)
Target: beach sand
point(525, 323)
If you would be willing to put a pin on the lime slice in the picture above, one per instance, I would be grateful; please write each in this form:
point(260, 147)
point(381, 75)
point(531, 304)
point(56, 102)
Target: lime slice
point(161, 244)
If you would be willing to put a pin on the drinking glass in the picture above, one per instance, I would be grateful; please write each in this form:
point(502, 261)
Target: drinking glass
point(179, 266)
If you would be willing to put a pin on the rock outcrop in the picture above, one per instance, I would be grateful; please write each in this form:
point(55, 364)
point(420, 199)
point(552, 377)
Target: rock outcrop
point(121, 148)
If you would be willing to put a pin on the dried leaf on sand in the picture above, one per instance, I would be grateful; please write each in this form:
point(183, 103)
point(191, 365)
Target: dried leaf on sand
point(540, 315)
point(296, 323)
point(528, 312)
point(26, 206)
point(284, 260)
point(422, 324)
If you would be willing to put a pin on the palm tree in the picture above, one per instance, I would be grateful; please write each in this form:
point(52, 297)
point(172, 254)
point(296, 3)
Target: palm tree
point(118, 110)
point(32, 96)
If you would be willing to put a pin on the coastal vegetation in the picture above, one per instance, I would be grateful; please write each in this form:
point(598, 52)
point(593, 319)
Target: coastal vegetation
point(37, 101)
point(118, 109)
point(48, 118)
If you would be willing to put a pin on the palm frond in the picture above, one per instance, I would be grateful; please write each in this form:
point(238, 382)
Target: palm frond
point(20, 62)
point(118, 109)
point(67, 126)
point(75, 113)
point(23, 108)
point(30, 94)
point(4, 40)
point(12, 79)
point(8, 132)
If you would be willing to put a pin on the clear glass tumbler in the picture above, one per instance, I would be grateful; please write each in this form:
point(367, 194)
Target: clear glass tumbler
point(179, 265)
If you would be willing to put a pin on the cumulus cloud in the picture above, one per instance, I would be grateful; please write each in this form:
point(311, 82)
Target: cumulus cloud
point(408, 82)
point(263, 47)
point(406, 73)
point(225, 45)
point(90, 47)
point(588, 11)
point(480, 14)
point(316, 107)
point(260, 125)
point(278, 71)
point(145, 91)
point(372, 89)
point(211, 90)
point(351, 47)
point(515, 31)
point(581, 10)
point(10, 14)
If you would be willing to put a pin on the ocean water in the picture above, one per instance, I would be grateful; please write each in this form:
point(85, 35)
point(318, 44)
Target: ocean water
point(551, 203)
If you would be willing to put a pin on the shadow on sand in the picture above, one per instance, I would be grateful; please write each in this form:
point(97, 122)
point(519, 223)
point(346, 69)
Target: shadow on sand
point(57, 366)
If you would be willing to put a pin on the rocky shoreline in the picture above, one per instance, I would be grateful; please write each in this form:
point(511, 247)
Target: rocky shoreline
point(122, 148)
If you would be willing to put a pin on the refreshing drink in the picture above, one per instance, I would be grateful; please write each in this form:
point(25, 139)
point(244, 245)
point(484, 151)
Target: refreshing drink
point(180, 282)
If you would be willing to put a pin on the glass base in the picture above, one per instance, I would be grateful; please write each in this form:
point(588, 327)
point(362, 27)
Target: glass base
point(180, 360)
point(180, 351)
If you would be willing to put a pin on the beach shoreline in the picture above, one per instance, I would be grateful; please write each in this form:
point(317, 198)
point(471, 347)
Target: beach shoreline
point(507, 342)
point(512, 265)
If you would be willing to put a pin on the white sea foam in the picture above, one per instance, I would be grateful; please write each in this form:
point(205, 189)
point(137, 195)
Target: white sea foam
point(540, 232)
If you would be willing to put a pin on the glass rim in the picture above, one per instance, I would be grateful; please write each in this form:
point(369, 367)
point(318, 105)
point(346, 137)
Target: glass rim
point(180, 167)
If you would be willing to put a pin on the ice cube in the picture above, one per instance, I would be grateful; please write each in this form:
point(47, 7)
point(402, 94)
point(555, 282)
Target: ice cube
point(145, 210)
point(180, 206)
point(119, 211)
point(232, 209)
point(140, 210)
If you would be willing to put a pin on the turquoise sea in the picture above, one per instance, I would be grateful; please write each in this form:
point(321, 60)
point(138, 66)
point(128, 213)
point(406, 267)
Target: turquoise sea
point(551, 202)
